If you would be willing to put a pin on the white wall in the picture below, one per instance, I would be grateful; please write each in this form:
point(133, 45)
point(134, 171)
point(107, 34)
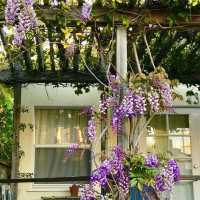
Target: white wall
point(39, 95)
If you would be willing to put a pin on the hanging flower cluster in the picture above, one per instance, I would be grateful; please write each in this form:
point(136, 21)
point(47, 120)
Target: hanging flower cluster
point(168, 176)
point(111, 173)
point(21, 15)
point(71, 149)
point(91, 130)
point(88, 193)
point(132, 105)
point(144, 94)
point(86, 10)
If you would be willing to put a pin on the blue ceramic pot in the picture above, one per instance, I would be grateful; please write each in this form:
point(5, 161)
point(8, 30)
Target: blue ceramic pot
point(148, 193)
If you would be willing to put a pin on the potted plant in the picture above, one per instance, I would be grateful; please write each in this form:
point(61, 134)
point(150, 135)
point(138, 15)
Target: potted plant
point(132, 176)
point(74, 190)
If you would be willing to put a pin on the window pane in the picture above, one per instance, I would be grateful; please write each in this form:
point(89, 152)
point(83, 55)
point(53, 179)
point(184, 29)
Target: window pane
point(178, 121)
point(157, 128)
point(157, 144)
point(180, 143)
point(183, 191)
point(157, 125)
point(176, 140)
point(185, 166)
point(50, 162)
point(61, 126)
point(180, 146)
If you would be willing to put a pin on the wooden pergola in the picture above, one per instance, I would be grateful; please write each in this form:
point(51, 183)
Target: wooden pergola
point(70, 71)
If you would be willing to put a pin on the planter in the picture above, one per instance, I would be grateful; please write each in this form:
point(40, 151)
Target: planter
point(74, 189)
point(148, 193)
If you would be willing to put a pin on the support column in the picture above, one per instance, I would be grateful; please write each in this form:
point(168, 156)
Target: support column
point(122, 52)
point(16, 130)
point(122, 137)
point(121, 62)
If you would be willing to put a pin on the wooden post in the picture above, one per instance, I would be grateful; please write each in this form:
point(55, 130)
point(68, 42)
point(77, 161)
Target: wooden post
point(121, 61)
point(16, 130)
point(122, 137)
point(122, 52)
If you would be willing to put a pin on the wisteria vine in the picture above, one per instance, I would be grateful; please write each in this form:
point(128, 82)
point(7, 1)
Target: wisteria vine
point(144, 94)
point(21, 15)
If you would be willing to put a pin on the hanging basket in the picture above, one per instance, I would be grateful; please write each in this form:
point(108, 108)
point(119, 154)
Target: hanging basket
point(148, 193)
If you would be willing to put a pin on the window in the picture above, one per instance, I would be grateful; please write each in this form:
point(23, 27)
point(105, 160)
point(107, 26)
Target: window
point(55, 130)
point(171, 134)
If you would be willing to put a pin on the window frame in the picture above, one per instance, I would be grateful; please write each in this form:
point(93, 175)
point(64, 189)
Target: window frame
point(168, 135)
point(53, 187)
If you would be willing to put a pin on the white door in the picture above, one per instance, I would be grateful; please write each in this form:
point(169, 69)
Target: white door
point(178, 136)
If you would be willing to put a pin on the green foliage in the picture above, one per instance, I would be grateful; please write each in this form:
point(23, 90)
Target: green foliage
point(140, 174)
point(6, 129)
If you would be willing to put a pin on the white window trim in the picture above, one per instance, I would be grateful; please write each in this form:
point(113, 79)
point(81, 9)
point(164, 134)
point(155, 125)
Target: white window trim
point(51, 187)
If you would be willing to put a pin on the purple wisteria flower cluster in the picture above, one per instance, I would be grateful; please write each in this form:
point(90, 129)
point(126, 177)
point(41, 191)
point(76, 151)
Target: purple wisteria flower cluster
point(151, 160)
point(165, 92)
point(132, 105)
point(91, 129)
point(70, 50)
point(114, 84)
point(109, 173)
point(71, 149)
point(88, 193)
point(167, 176)
point(106, 103)
point(86, 10)
point(145, 94)
point(122, 171)
point(21, 15)
point(153, 100)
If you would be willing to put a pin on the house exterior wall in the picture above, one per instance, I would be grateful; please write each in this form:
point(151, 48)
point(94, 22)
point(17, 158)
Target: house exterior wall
point(35, 95)
point(40, 95)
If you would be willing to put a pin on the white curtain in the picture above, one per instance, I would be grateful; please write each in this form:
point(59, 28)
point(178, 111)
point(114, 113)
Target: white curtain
point(56, 127)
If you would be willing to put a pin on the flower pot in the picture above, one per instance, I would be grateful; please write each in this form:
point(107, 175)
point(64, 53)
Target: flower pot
point(74, 189)
point(148, 193)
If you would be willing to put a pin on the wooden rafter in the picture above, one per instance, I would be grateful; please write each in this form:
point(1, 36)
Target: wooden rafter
point(9, 77)
point(151, 16)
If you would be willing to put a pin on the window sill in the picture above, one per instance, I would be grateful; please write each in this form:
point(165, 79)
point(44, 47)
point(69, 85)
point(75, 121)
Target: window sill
point(60, 198)
point(49, 188)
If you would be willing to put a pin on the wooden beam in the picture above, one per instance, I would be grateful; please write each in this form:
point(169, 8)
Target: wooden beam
point(16, 133)
point(48, 180)
point(150, 16)
point(8, 77)
point(73, 179)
